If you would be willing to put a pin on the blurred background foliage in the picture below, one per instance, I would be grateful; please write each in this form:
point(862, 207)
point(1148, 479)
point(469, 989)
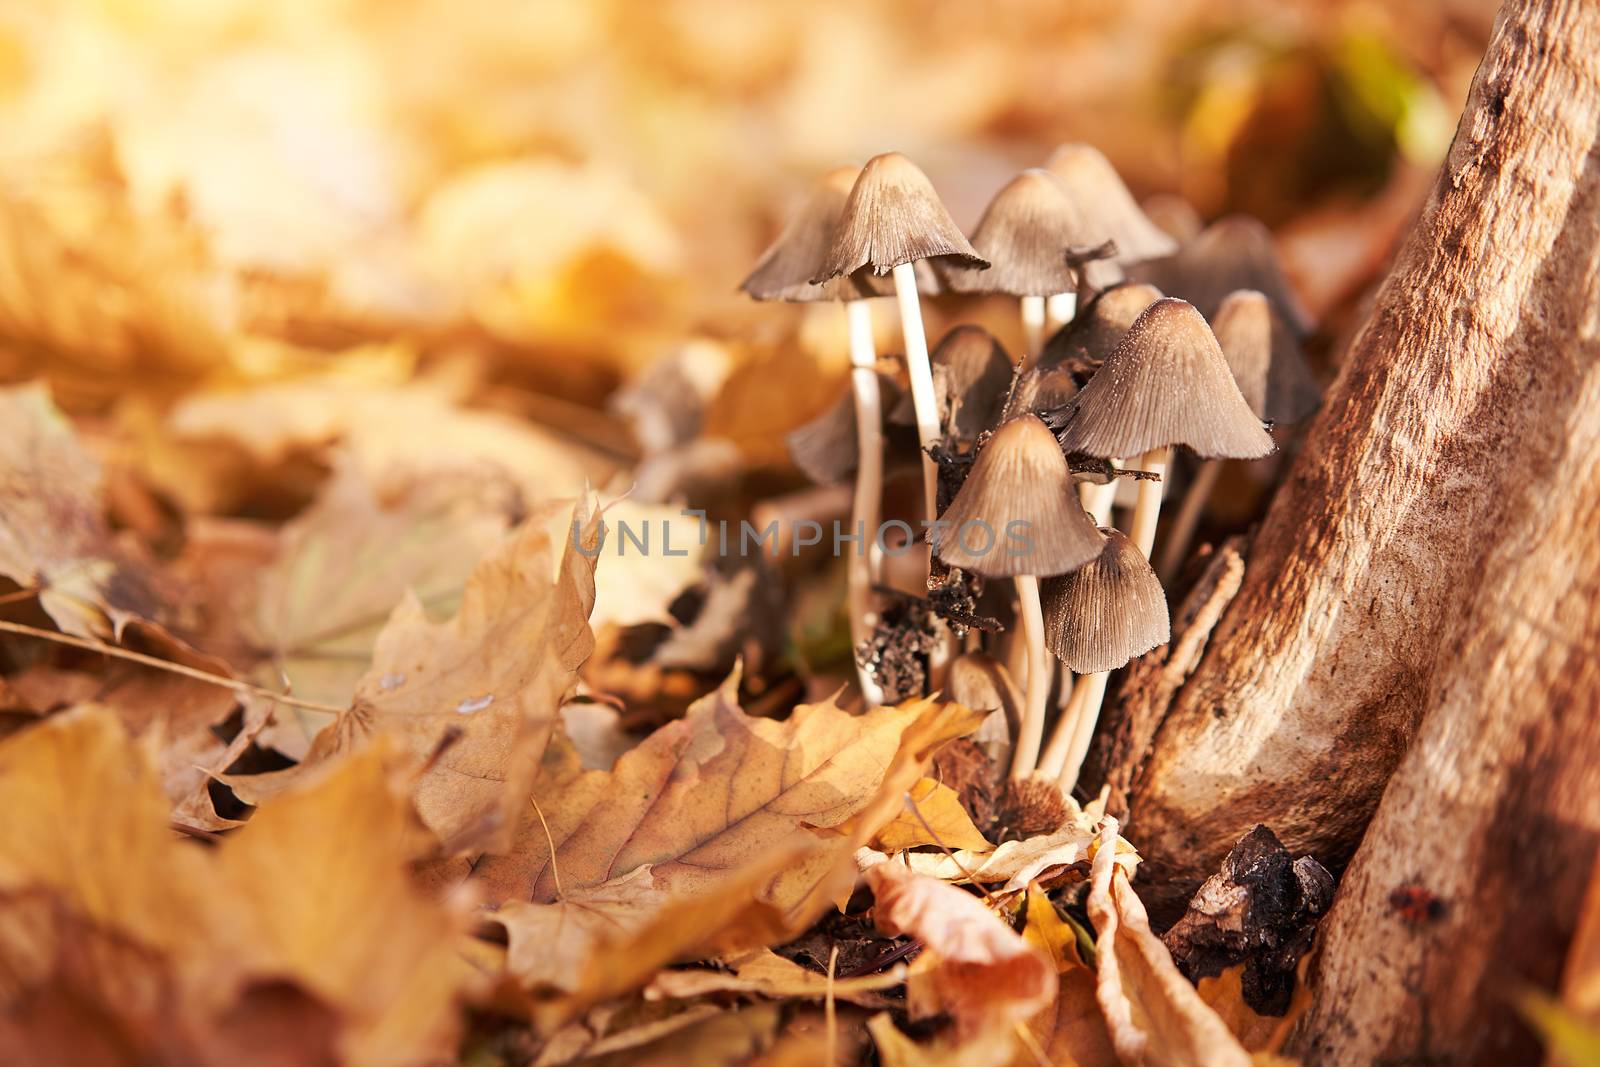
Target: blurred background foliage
point(216, 193)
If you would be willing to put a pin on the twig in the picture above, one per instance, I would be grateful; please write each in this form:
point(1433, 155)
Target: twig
point(167, 665)
point(828, 1010)
point(555, 871)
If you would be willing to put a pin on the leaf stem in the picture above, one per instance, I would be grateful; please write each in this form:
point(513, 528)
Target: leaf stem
point(166, 665)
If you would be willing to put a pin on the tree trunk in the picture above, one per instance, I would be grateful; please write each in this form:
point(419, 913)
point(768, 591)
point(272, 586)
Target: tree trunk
point(1454, 452)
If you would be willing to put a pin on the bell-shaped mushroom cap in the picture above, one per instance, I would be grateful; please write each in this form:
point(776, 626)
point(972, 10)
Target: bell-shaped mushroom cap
point(825, 449)
point(1106, 612)
point(971, 375)
point(1085, 342)
point(785, 269)
point(1109, 210)
point(1017, 512)
point(1025, 233)
point(1166, 383)
point(1265, 358)
point(1041, 389)
point(893, 216)
point(1235, 252)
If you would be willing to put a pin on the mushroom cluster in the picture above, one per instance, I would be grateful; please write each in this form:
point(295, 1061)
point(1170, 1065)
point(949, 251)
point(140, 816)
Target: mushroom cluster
point(1135, 344)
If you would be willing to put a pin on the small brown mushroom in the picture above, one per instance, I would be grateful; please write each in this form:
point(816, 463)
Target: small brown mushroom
point(1109, 209)
point(1165, 384)
point(1096, 619)
point(892, 219)
point(1016, 516)
point(1235, 252)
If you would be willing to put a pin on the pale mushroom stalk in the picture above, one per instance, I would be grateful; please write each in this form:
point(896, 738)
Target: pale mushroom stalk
point(1026, 753)
point(1060, 309)
point(1181, 530)
point(1087, 697)
point(1147, 506)
point(923, 397)
point(1033, 328)
point(862, 569)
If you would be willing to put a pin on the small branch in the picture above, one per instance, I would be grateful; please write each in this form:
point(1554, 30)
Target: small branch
point(166, 665)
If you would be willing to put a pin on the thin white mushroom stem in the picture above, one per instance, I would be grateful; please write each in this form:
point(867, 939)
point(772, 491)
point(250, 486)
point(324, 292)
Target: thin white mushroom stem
point(1060, 309)
point(1147, 506)
point(862, 563)
point(1055, 753)
point(1086, 714)
point(1180, 532)
point(923, 398)
point(1031, 734)
point(1033, 325)
point(1097, 500)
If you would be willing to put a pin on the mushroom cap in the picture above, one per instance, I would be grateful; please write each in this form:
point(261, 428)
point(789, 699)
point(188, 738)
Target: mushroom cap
point(1265, 358)
point(893, 216)
point(1025, 233)
point(1041, 389)
point(971, 374)
point(971, 377)
point(1020, 476)
point(785, 269)
point(1085, 342)
point(1108, 208)
point(1166, 383)
point(1106, 612)
point(825, 449)
point(1235, 252)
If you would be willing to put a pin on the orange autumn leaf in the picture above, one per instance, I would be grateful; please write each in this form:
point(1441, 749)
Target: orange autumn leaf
point(714, 792)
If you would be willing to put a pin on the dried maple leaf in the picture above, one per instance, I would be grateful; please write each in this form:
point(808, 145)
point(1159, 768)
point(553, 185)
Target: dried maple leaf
point(53, 532)
point(745, 826)
point(474, 699)
point(975, 968)
point(1153, 1014)
point(711, 793)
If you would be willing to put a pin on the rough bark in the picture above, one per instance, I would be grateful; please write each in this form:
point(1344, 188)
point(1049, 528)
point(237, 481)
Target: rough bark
point(1470, 882)
point(1447, 451)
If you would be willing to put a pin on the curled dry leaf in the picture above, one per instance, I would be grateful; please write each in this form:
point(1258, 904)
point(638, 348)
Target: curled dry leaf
point(312, 894)
point(53, 532)
point(765, 973)
point(474, 699)
point(976, 968)
point(715, 791)
point(1013, 864)
point(1153, 1014)
point(1069, 1031)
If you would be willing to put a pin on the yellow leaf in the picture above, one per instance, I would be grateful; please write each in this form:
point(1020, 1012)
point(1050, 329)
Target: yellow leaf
point(943, 822)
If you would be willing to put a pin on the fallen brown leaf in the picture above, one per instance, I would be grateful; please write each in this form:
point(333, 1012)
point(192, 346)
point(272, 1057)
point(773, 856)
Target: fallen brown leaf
point(53, 533)
point(313, 893)
point(938, 818)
